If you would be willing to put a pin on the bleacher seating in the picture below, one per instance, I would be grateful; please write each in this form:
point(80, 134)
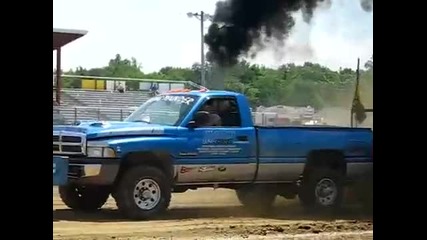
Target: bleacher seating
point(103, 99)
point(100, 105)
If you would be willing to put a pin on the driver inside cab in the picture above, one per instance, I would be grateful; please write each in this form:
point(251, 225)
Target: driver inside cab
point(211, 106)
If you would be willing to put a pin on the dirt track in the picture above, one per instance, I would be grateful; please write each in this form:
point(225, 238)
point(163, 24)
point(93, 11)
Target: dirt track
point(210, 214)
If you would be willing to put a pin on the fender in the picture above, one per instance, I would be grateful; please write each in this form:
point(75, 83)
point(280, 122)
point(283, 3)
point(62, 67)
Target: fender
point(158, 151)
point(126, 146)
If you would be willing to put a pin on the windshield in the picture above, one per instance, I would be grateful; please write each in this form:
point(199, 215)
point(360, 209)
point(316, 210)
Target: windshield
point(164, 110)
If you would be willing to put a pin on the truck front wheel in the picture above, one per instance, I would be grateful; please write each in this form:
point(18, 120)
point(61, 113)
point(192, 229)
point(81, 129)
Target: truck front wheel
point(84, 198)
point(143, 193)
point(256, 198)
point(322, 189)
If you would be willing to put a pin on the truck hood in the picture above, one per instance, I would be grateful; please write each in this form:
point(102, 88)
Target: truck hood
point(100, 129)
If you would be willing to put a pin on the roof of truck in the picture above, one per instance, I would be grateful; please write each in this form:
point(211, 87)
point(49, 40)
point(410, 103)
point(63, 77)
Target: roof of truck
point(203, 92)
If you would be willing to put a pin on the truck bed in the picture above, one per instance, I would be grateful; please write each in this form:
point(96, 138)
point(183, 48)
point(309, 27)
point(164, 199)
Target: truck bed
point(295, 142)
point(282, 151)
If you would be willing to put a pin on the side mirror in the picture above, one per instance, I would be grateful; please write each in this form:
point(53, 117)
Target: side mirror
point(200, 118)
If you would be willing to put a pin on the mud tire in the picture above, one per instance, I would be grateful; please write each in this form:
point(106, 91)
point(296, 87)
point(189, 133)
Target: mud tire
point(127, 201)
point(309, 193)
point(84, 198)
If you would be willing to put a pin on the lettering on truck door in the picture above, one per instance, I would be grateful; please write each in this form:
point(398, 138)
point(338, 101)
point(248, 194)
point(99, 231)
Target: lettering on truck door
point(224, 153)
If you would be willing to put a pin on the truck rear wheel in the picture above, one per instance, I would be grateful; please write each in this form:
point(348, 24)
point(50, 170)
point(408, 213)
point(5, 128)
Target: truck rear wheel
point(256, 198)
point(84, 198)
point(143, 193)
point(322, 189)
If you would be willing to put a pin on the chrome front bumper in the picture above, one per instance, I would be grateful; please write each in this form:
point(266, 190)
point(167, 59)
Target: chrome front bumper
point(93, 171)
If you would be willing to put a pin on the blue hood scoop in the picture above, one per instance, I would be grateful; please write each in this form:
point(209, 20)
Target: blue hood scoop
point(99, 124)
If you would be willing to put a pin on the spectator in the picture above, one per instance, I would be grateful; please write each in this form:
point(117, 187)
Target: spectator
point(154, 89)
point(120, 88)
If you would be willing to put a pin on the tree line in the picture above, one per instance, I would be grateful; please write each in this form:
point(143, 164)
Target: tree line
point(293, 85)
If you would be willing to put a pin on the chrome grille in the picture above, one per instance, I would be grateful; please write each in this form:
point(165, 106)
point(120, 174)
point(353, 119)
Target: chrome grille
point(69, 143)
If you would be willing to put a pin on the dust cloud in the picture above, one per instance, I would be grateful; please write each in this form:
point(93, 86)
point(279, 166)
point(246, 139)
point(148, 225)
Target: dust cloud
point(338, 113)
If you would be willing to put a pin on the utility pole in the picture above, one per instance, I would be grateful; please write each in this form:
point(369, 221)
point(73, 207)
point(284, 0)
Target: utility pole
point(203, 70)
point(202, 16)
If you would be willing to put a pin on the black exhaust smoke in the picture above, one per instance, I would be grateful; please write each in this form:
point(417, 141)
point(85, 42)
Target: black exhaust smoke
point(240, 25)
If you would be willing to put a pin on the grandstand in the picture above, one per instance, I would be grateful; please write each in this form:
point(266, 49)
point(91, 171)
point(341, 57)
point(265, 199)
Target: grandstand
point(107, 104)
point(103, 99)
point(78, 104)
point(83, 104)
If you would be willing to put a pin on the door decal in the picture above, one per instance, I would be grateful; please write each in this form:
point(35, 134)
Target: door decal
point(218, 142)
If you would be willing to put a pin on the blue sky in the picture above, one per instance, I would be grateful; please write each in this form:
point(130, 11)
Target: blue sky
point(159, 33)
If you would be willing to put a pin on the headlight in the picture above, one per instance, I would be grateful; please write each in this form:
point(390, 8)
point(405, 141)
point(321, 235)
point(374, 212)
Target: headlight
point(101, 152)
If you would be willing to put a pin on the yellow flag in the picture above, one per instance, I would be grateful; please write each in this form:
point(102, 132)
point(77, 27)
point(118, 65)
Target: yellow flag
point(358, 108)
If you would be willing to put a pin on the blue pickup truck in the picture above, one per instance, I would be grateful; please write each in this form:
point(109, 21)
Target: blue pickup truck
point(193, 139)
